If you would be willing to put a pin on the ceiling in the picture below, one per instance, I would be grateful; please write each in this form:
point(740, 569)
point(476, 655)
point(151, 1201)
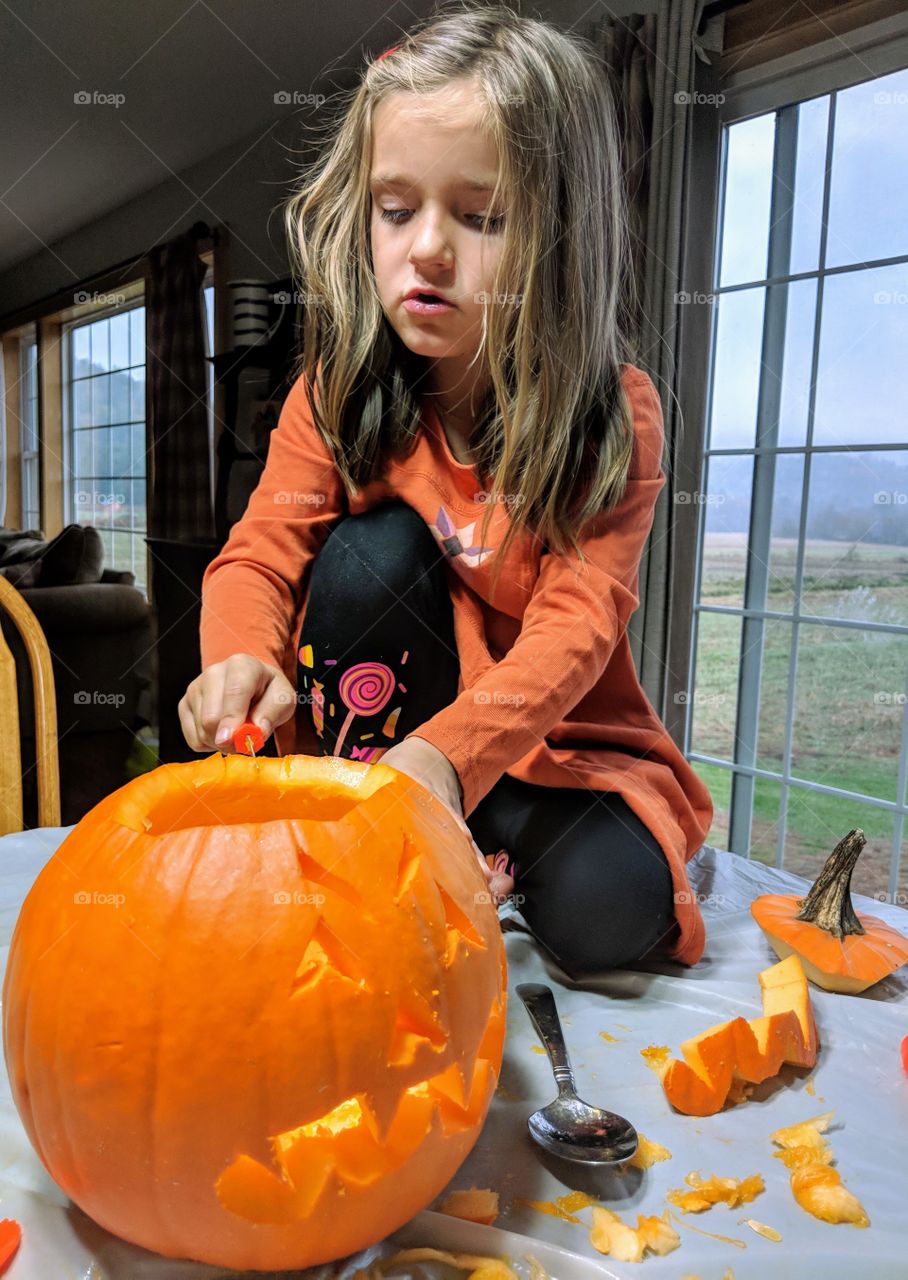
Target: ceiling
point(162, 86)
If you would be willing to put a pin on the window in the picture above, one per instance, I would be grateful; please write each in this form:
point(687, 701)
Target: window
point(798, 719)
point(104, 421)
point(28, 424)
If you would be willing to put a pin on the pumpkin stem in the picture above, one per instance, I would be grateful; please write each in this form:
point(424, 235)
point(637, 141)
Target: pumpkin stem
point(829, 905)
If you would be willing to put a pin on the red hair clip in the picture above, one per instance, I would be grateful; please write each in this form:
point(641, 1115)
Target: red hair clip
point(386, 52)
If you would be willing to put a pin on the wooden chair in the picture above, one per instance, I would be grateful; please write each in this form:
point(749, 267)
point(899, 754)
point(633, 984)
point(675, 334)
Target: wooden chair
point(42, 674)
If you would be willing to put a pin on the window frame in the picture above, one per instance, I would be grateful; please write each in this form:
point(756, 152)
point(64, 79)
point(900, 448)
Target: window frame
point(822, 70)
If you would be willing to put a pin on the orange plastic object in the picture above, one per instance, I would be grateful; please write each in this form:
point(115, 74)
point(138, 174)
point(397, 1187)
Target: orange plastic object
point(282, 982)
point(248, 738)
point(10, 1238)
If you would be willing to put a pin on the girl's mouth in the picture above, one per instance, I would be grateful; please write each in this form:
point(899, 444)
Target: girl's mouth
point(427, 304)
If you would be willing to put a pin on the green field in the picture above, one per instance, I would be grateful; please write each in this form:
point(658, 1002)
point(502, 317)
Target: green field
point(849, 699)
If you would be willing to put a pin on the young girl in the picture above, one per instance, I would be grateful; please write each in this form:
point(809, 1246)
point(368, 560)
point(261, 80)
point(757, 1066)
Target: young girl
point(441, 557)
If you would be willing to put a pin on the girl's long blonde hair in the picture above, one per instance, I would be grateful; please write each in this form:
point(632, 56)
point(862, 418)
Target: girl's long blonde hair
point(555, 436)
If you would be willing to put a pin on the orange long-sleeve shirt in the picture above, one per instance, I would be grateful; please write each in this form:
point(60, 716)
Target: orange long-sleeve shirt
point(548, 690)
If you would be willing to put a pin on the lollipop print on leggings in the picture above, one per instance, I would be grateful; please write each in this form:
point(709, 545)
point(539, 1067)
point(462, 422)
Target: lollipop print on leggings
point(364, 689)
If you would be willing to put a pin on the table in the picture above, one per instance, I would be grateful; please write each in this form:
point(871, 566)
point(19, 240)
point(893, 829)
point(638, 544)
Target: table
point(858, 1075)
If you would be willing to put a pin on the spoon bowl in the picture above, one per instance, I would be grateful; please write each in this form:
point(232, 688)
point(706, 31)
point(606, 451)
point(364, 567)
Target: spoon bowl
point(570, 1127)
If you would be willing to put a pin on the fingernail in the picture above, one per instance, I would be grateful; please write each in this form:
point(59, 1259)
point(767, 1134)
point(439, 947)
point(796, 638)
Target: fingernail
point(223, 733)
point(265, 725)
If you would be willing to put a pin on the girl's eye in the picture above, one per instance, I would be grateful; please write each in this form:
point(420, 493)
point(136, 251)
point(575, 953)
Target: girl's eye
point(396, 217)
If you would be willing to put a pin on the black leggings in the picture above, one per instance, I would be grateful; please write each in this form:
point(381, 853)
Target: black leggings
point(378, 657)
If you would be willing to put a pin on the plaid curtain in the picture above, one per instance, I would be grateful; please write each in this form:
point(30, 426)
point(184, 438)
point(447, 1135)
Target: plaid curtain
point(178, 378)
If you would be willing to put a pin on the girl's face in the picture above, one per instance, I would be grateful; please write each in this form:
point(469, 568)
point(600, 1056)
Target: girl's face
point(432, 176)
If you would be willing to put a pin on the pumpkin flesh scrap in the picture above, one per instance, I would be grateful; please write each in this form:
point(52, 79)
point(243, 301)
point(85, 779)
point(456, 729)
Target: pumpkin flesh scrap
point(816, 1186)
point(721, 1060)
point(715, 1190)
point(611, 1236)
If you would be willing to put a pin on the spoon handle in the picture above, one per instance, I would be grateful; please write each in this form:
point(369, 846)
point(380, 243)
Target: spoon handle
point(540, 1005)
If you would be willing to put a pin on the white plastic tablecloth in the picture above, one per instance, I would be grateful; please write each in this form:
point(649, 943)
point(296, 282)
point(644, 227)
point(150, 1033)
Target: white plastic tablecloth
point(858, 1075)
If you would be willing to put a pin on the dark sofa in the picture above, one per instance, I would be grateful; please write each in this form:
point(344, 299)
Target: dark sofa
point(98, 627)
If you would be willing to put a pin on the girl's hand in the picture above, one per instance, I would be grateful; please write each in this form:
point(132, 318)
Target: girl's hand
point(422, 761)
point(229, 692)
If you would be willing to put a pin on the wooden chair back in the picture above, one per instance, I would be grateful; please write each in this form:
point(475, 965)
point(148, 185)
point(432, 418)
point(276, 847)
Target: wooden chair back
point(42, 676)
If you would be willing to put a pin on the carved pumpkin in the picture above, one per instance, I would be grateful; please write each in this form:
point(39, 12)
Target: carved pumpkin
point(841, 949)
point(254, 1008)
point(725, 1058)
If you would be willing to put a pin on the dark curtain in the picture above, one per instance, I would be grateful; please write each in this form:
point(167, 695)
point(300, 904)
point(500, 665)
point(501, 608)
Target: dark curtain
point(181, 507)
point(650, 60)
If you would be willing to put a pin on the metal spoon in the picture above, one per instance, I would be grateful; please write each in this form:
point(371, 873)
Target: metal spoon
point(570, 1127)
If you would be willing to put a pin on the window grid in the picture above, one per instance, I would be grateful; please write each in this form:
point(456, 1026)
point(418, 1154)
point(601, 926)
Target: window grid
point(105, 430)
point(753, 613)
point(28, 424)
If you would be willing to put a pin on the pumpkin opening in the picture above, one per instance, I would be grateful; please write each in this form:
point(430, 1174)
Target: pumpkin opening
point(226, 799)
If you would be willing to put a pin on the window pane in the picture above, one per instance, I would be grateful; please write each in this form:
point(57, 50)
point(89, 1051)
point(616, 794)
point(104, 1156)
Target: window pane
point(745, 231)
point(119, 451)
point(817, 822)
point(119, 341)
point(736, 380)
point(715, 691)
point(727, 502)
point(100, 346)
point(813, 123)
point(783, 546)
point(82, 403)
point(82, 460)
point(137, 336)
point(794, 399)
point(100, 400)
point(773, 695)
point(848, 722)
point(869, 190)
point(719, 783)
point(137, 393)
point(81, 351)
point(856, 558)
point(764, 835)
point(102, 455)
point(862, 379)
point(137, 433)
point(120, 406)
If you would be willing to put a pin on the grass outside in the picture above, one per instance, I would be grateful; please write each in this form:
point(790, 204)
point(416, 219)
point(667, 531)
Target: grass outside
point(849, 701)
